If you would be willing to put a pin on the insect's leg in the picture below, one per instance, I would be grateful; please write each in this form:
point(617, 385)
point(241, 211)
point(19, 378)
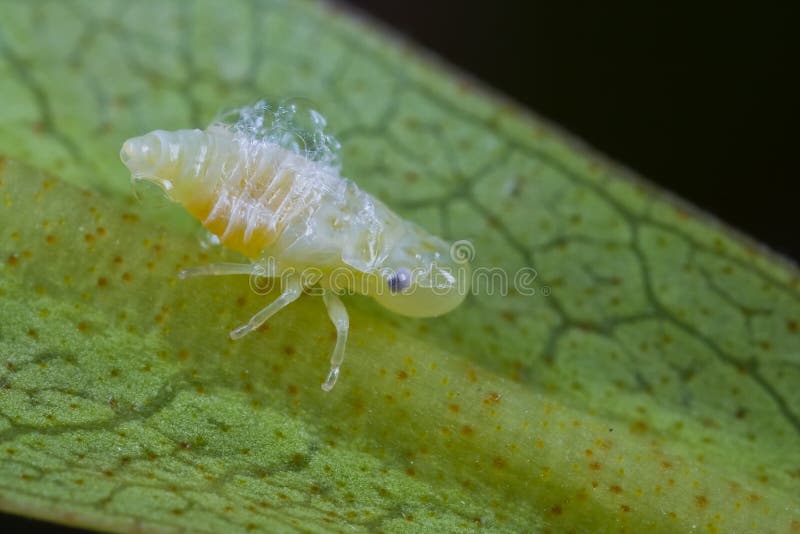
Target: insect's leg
point(339, 318)
point(289, 295)
point(223, 269)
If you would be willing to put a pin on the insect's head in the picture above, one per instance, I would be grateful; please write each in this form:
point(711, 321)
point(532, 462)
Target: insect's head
point(423, 277)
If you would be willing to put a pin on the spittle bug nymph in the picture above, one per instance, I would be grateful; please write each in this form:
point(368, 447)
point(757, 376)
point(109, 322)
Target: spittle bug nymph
point(272, 191)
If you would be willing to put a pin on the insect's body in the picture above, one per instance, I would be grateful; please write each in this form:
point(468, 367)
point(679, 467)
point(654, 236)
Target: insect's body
point(268, 202)
point(261, 198)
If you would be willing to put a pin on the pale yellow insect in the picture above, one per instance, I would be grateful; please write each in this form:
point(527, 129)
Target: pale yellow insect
point(290, 214)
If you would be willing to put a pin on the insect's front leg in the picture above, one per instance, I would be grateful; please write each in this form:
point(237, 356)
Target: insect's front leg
point(265, 269)
point(338, 314)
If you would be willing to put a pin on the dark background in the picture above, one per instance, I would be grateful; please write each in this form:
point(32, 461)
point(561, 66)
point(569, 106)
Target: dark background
point(698, 97)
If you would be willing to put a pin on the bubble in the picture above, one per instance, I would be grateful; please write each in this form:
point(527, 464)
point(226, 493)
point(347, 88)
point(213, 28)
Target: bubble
point(292, 123)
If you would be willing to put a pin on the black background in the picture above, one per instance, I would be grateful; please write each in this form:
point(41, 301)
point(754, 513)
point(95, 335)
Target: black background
point(698, 97)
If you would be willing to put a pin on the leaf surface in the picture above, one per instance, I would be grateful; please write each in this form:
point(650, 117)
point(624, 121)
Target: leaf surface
point(639, 372)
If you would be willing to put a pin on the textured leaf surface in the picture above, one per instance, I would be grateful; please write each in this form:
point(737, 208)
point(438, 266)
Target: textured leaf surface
point(649, 383)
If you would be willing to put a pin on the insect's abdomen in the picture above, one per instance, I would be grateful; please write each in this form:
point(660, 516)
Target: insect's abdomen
point(244, 192)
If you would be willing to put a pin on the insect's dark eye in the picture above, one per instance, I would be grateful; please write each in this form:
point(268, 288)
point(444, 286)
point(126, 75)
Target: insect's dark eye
point(400, 280)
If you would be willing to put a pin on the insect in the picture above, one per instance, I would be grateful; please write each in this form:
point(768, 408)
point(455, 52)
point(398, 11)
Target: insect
point(271, 190)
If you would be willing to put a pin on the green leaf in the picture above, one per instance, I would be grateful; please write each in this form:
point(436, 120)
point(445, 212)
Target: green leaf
point(649, 383)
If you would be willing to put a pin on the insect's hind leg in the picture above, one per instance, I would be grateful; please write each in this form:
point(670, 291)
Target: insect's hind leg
point(338, 314)
point(289, 295)
point(224, 269)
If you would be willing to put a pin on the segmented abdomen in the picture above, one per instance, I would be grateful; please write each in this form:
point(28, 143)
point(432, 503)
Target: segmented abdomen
point(246, 192)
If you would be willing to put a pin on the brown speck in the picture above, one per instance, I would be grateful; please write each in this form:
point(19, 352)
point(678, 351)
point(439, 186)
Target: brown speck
point(11, 452)
point(639, 427)
point(588, 452)
point(556, 510)
point(499, 462)
point(625, 508)
point(33, 333)
point(130, 217)
point(666, 465)
point(401, 375)
point(701, 501)
point(83, 326)
point(292, 389)
point(604, 443)
point(127, 277)
point(410, 471)
point(117, 259)
point(455, 408)
point(183, 354)
point(13, 260)
point(467, 431)
point(102, 281)
point(89, 238)
point(595, 466)
point(51, 239)
point(298, 461)
point(114, 372)
point(101, 231)
point(493, 398)
point(615, 489)
point(741, 412)
point(108, 473)
point(289, 350)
